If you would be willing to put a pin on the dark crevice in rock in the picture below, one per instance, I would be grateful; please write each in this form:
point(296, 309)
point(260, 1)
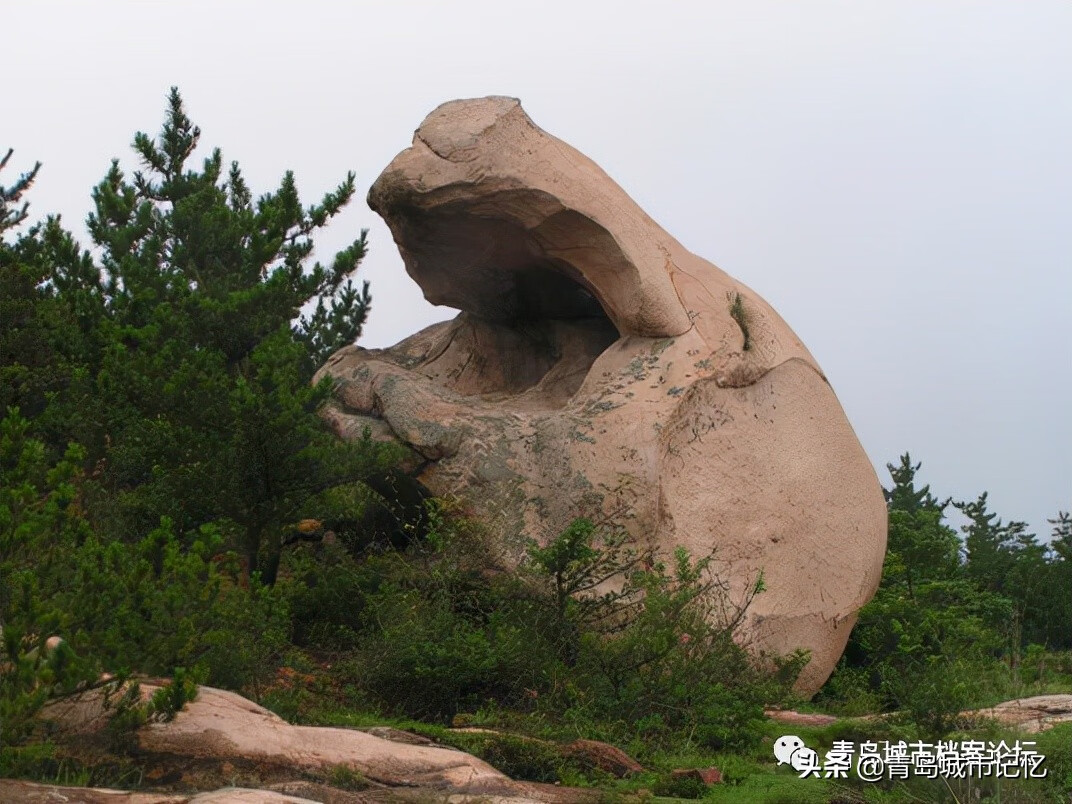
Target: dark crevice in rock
point(497, 269)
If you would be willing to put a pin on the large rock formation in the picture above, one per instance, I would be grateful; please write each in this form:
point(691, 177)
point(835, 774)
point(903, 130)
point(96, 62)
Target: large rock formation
point(599, 366)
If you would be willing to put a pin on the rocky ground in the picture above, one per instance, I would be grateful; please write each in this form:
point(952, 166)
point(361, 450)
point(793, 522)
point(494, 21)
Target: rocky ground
point(224, 749)
point(241, 752)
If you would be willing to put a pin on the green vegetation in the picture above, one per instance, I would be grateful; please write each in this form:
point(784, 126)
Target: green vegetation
point(958, 623)
point(548, 644)
point(739, 314)
point(172, 505)
point(161, 433)
point(346, 778)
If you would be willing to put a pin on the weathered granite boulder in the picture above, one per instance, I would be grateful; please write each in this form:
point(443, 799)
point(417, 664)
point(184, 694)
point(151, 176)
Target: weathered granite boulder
point(18, 792)
point(1032, 715)
point(222, 737)
point(598, 366)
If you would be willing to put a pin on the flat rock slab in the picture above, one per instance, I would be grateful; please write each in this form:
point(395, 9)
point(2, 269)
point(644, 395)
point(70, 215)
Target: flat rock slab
point(246, 796)
point(1030, 715)
point(18, 792)
point(224, 726)
point(221, 728)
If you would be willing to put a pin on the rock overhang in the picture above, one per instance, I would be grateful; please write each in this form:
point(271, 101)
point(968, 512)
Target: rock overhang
point(487, 223)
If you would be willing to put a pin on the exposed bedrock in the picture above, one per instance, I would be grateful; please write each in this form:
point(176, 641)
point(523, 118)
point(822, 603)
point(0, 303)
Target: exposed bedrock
point(598, 366)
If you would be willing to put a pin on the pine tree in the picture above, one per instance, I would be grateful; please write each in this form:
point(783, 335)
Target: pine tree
point(41, 339)
point(989, 545)
point(205, 361)
point(21, 349)
point(921, 547)
point(1062, 535)
point(40, 526)
point(1005, 559)
point(11, 215)
point(235, 270)
point(926, 616)
point(1056, 605)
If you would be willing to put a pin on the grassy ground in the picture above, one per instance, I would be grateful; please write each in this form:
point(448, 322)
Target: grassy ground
point(749, 776)
point(526, 747)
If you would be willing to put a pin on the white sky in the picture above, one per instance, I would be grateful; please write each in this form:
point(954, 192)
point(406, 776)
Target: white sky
point(894, 177)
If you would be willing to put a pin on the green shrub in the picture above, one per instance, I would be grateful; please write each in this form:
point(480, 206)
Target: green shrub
point(149, 605)
point(129, 712)
point(346, 778)
point(168, 700)
point(935, 693)
point(41, 528)
point(519, 757)
point(656, 656)
point(589, 635)
point(155, 605)
point(325, 596)
point(1054, 745)
point(739, 314)
point(680, 787)
point(426, 660)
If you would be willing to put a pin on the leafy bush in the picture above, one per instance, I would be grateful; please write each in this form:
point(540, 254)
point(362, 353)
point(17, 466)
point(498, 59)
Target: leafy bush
point(441, 640)
point(1053, 745)
point(519, 757)
point(934, 693)
point(326, 591)
point(588, 631)
point(680, 787)
point(150, 605)
point(428, 662)
point(656, 654)
point(129, 711)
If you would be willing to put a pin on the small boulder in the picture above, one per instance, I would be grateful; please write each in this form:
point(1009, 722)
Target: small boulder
point(710, 775)
point(221, 729)
point(605, 757)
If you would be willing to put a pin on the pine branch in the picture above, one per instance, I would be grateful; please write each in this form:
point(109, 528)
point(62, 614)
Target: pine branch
point(9, 218)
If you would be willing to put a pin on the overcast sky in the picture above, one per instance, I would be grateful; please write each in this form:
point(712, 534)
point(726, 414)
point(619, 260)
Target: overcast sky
point(894, 178)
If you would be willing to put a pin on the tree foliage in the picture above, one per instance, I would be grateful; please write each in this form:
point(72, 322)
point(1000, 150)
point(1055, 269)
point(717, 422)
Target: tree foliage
point(181, 357)
point(11, 215)
point(159, 413)
point(149, 606)
point(950, 608)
